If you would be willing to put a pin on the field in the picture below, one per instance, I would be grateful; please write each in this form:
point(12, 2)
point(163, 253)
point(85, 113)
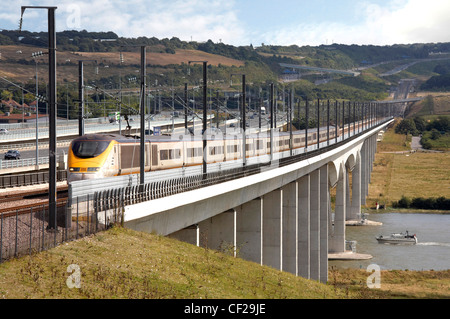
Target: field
point(398, 172)
point(440, 105)
point(68, 62)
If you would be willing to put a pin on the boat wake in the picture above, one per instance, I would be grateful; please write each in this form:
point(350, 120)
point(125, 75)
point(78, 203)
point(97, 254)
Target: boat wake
point(433, 244)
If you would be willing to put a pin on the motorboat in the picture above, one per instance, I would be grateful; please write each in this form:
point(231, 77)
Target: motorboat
point(398, 238)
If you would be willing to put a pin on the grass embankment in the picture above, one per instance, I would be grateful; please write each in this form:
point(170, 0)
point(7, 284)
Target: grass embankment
point(419, 174)
point(395, 284)
point(122, 263)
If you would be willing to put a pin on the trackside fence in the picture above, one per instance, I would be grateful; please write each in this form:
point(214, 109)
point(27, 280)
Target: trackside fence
point(25, 232)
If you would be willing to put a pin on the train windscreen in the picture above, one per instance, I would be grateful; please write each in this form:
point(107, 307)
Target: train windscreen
point(88, 149)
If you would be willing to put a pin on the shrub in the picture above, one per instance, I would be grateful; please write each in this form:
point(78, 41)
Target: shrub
point(440, 203)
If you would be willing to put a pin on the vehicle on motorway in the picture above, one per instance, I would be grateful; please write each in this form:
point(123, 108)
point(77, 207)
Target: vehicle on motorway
point(12, 154)
point(3, 131)
point(94, 156)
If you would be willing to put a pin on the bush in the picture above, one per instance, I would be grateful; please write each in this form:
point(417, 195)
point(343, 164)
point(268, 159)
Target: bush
point(404, 202)
point(407, 126)
point(440, 203)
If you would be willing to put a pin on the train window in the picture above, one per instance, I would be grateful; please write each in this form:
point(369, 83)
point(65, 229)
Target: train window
point(248, 147)
point(215, 150)
point(88, 149)
point(169, 154)
point(232, 148)
point(259, 144)
point(175, 153)
point(194, 152)
point(164, 155)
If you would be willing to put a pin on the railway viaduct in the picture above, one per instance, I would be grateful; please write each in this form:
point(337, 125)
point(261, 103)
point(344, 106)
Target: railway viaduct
point(281, 217)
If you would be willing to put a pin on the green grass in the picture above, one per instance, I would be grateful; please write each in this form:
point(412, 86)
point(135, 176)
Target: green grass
point(122, 263)
point(394, 175)
point(125, 264)
point(395, 284)
point(442, 143)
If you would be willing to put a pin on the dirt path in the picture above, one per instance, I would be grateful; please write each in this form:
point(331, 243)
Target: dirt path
point(415, 143)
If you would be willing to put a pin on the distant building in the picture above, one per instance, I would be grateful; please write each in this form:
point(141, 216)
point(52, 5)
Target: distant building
point(19, 118)
point(10, 105)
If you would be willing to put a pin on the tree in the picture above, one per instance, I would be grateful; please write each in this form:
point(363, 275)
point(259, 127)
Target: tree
point(420, 123)
point(435, 134)
point(407, 126)
point(6, 95)
point(300, 123)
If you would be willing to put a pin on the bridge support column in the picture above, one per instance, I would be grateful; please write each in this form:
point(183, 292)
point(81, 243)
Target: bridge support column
point(315, 224)
point(370, 159)
point(290, 222)
point(324, 220)
point(356, 190)
point(189, 235)
point(348, 200)
point(303, 227)
point(272, 229)
point(364, 173)
point(338, 238)
point(219, 232)
point(249, 232)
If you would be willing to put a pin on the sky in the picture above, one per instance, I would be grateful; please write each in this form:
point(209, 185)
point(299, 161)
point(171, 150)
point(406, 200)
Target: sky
point(245, 22)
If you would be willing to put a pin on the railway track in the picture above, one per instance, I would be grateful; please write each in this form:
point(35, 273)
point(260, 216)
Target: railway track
point(20, 201)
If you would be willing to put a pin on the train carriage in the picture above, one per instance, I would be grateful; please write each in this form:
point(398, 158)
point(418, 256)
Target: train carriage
point(101, 155)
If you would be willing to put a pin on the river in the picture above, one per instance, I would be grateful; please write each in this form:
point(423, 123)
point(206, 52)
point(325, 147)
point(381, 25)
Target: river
point(432, 252)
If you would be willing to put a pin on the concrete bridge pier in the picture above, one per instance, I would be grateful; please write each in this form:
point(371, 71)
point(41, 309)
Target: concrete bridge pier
point(290, 228)
point(303, 246)
point(355, 211)
point(325, 220)
point(249, 231)
point(337, 236)
point(315, 225)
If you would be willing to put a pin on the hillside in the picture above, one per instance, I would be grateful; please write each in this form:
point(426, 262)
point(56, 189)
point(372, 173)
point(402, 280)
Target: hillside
point(19, 65)
point(381, 68)
point(125, 264)
point(121, 263)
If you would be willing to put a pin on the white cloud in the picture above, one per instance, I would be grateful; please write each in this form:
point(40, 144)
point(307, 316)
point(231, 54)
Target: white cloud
point(201, 20)
point(397, 21)
point(411, 21)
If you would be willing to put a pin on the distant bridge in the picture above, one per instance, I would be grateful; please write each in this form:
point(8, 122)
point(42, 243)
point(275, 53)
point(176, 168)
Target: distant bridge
point(414, 99)
point(313, 68)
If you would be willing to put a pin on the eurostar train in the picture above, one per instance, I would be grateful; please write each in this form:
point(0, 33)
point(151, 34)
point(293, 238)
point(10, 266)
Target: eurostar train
point(103, 155)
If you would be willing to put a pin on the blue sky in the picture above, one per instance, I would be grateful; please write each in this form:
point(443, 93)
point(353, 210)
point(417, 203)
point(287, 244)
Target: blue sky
point(241, 22)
